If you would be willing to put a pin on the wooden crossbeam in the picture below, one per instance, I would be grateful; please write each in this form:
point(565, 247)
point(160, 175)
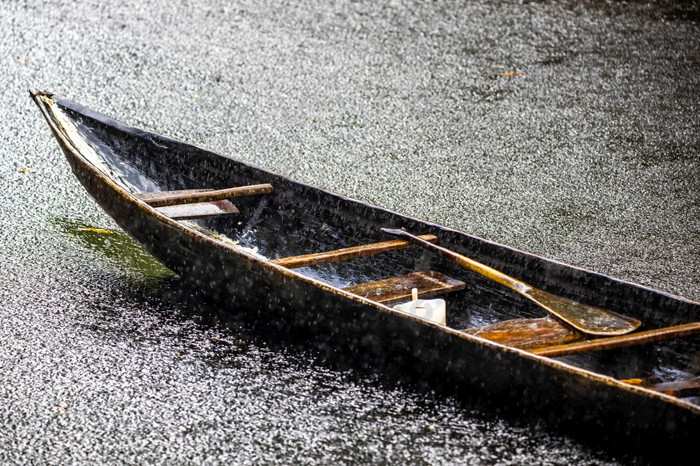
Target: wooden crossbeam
point(190, 196)
point(199, 210)
point(344, 254)
point(638, 338)
point(397, 289)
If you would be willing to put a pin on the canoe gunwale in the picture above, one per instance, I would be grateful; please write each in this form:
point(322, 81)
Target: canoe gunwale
point(73, 153)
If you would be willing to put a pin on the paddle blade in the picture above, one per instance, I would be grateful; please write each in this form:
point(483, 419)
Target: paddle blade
point(583, 317)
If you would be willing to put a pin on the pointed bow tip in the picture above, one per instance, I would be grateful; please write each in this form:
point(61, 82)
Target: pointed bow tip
point(34, 93)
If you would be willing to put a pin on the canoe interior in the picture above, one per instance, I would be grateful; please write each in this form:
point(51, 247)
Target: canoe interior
point(296, 219)
point(285, 224)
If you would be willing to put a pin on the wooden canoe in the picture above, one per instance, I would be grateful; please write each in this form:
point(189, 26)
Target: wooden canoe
point(287, 251)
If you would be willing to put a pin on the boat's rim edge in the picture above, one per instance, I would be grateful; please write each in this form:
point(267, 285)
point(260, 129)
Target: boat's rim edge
point(607, 380)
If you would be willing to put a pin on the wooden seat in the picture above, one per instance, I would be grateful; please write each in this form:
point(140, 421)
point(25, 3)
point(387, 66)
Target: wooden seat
point(199, 210)
point(527, 333)
point(397, 289)
point(191, 196)
point(190, 204)
point(344, 254)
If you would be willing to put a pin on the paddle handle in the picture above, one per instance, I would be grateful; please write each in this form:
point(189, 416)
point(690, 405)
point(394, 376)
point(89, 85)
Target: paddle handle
point(471, 264)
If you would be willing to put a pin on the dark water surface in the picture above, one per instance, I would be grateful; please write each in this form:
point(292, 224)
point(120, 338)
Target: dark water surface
point(567, 129)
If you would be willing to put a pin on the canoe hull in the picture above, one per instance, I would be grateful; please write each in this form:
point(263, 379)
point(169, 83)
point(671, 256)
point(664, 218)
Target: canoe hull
point(593, 406)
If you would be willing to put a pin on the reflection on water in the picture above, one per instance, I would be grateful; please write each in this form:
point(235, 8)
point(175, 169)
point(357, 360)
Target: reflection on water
point(116, 246)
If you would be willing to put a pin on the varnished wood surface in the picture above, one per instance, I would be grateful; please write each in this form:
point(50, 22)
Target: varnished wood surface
point(397, 289)
point(639, 338)
point(344, 254)
point(527, 333)
point(169, 198)
point(199, 210)
point(152, 196)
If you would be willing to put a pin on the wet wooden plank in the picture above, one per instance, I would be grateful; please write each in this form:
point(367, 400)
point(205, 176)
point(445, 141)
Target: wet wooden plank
point(199, 210)
point(344, 254)
point(189, 196)
point(639, 338)
point(398, 289)
point(147, 197)
point(527, 333)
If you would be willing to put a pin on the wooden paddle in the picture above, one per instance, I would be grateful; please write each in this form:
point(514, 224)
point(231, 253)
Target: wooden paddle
point(583, 317)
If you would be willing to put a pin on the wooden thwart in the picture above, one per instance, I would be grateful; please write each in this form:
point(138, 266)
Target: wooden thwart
point(649, 336)
point(527, 333)
point(154, 196)
point(397, 289)
point(199, 210)
point(344, 254)
point(190, 196)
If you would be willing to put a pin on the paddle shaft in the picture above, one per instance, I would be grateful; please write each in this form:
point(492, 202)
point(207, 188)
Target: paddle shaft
point(471, 264)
